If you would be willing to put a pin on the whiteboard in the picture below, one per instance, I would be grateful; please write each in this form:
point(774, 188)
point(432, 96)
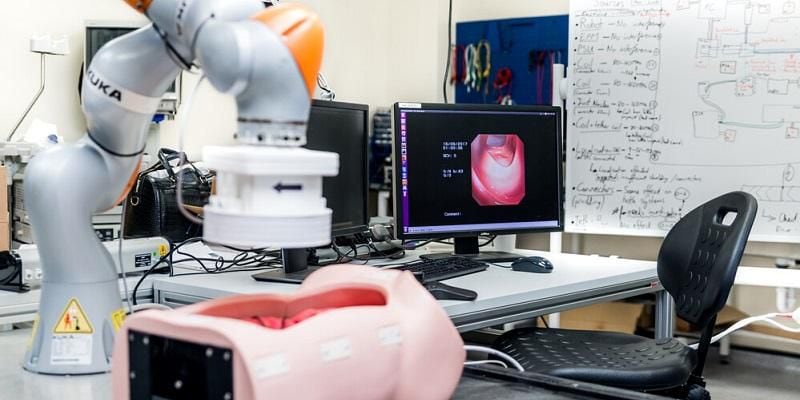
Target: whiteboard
point(674, 102)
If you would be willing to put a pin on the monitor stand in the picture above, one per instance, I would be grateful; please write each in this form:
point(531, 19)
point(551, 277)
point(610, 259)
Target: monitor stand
point(295, 268)
point(468, 247)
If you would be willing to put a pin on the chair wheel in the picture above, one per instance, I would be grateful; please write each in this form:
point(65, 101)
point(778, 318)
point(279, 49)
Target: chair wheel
point(697, 392)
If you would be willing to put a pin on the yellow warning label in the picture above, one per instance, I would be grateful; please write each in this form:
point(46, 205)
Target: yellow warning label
point(117, 319)
point(33, 331)
point(163, 250)
point(73, 319)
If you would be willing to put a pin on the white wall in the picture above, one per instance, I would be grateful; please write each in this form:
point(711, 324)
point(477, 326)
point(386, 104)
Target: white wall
point(471, 10)
point(19, 71)
point(377, 52)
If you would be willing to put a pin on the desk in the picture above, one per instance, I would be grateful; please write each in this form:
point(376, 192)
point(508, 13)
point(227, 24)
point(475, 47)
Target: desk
point(22, 307)
point(503, 295)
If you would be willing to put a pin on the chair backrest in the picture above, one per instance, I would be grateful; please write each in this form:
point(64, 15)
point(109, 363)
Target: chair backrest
point(698, 259)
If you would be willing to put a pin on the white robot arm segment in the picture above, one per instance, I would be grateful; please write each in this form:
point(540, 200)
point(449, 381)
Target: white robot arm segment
point(264, 58)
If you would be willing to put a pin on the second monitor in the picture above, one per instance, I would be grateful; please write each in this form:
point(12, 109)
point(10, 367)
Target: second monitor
point(340, 128)
point(464, 170)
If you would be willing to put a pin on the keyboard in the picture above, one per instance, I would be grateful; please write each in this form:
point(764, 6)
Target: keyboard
point(443, 268)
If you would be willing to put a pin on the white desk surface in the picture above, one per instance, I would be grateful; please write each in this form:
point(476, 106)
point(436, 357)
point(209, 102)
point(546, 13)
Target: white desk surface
point(574, 278)
point(22, 307)
point(771, 277)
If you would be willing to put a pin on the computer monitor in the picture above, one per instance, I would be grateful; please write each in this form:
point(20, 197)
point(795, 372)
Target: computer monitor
point(465, 170)
point(343, 128)
point(340, 128)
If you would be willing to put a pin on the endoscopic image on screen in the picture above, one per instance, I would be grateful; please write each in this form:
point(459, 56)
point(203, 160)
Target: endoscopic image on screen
point(468, 170)
point(498, 169)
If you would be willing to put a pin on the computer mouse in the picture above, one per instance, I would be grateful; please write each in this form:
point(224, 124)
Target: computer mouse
point(533, 264)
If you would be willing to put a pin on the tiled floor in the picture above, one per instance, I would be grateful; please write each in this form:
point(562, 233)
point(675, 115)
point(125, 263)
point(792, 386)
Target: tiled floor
point(750, 375)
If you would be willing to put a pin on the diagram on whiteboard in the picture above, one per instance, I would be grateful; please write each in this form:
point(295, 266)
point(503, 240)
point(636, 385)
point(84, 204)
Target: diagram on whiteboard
point(675, 102)
point(754, 48)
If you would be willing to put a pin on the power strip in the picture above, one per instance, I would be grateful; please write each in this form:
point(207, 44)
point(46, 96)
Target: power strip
point(137, 254)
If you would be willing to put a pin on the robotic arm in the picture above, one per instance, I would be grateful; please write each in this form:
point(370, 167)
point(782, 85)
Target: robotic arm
point(268, 60)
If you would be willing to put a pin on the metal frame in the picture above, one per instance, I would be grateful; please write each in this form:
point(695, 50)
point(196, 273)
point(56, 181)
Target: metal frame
point(533, 309)
point(558, 388)
point(519, 311)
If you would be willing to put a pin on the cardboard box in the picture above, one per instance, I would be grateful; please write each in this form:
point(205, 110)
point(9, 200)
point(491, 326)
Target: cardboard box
point(727, 316)
point(730, 315)
point(609, 317)
point(5, 237)
point(772, 331)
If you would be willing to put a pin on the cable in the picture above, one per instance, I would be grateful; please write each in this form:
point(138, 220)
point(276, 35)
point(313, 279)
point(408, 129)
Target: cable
point(119, 256)
point(322, 82)
point(241, 259)
point(182, 156)
point(544, 321)
point(449, 49)
point(42, 80)
point(227, 272)
point(413, 245)
point(417, 245)
point(497, 362)
point(496, 353)
point(761, 318)
point(167, 256)
point(148, 306)
point(488, 242)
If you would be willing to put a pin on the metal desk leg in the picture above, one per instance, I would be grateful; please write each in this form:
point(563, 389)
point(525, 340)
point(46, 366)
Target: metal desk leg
point(725, 343)
point(665, 315)
point(725, 350)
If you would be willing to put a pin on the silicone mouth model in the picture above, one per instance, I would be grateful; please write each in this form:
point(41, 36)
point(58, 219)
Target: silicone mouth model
point(498, 169)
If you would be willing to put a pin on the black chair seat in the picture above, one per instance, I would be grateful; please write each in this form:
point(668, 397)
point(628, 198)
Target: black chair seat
point(612, 359)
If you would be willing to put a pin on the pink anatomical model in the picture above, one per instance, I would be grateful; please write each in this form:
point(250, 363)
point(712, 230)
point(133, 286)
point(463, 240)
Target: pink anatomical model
point(498, 170)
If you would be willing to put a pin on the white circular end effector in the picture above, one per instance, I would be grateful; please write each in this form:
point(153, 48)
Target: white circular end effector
point(256, 231)
point(270, 161)
point(268, 196)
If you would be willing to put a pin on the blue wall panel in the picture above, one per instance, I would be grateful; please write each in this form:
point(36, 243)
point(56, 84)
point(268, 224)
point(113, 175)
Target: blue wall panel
point(519, 45)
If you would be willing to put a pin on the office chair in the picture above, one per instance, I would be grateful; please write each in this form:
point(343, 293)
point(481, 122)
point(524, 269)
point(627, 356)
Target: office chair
point(697, 265)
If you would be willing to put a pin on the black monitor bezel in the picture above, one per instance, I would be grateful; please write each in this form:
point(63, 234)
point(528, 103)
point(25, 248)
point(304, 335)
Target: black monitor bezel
point(398, 212)
point(365, 195)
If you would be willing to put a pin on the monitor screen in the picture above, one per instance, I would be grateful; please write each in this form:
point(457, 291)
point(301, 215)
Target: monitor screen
point(342, 128)
point(461, 170)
